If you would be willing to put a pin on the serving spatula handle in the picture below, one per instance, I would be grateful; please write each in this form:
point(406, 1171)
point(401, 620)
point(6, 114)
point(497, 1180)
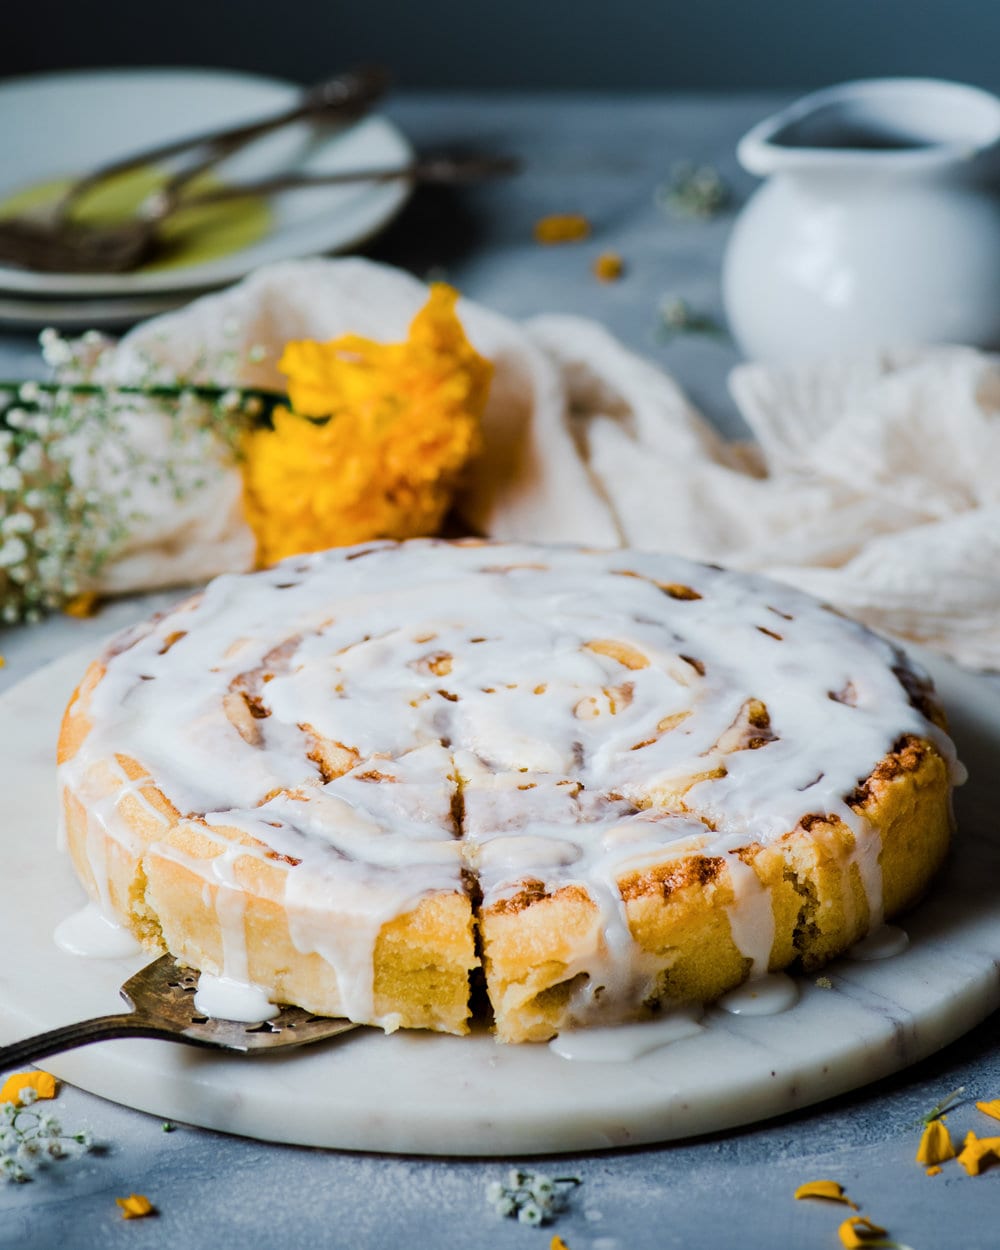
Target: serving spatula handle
point(100, 1029)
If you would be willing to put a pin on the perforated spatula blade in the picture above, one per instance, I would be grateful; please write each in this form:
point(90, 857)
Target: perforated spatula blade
point(162, 997)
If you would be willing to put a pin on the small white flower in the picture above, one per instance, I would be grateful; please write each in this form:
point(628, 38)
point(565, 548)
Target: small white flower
point(28, 1151)
point(9, 614)
point(55, 1149)
point(542, 1189)
point(505, 1205)
point(12, 552)
point(8, 1114)
point(34, 499)
point(516, 1178)
point(494, 1191)
point(257, 353)
point(28, 1095)
point(17, 523)
point(84, 1139)
point(231, 327)
point(29, 392)
point(531, 1213)
point(92, 338)
point(230, 401)
point(48, 1125)
point(31, 458)
point(17, 418)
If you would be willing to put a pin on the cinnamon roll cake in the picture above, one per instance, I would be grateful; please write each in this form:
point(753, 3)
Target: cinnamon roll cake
point(612, 781)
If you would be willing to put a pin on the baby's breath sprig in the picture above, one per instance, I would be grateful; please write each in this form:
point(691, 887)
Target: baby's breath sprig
point(30, 1139)
point(697, 191)
point(676, 316)
point(75, 465)
point(531, 1197)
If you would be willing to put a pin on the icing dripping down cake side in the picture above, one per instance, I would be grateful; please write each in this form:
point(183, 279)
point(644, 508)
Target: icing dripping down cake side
point(614, 781)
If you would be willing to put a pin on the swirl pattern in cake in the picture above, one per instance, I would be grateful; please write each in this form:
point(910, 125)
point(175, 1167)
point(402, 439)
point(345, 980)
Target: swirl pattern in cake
point(606, 782)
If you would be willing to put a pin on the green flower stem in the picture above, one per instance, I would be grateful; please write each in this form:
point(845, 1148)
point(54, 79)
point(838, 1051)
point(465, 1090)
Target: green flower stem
point(207, 391)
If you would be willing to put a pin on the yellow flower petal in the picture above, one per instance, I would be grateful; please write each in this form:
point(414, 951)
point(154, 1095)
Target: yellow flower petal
point(978, 1153)
point(557, 1243)
point(934, 1171)
point(608, 267)
point(990, 1108)
point(858, 1231)
point(561, 228)
point(935, 1144)
point(402, 421)
point(82, 605)
point(830, 1191)
point(43, 1083)
point(135, 1206)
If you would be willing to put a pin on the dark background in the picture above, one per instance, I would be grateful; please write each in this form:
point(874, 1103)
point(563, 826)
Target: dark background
point(617, 44)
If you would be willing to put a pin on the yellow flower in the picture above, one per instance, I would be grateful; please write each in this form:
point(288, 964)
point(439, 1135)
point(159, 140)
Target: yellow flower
point(561, 228)
point(991, 1108)
point(43, 1083)
point(135, 1206)
point(403, 421)
point(557, 1243)
point(831, 1191)
point(858, 1231)
point(935, 1144)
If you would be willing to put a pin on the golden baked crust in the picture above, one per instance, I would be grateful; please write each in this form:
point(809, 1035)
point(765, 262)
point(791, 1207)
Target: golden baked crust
point(699, 909)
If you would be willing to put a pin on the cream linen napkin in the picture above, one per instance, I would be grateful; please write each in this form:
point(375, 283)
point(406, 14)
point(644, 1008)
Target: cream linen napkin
point(873, 483)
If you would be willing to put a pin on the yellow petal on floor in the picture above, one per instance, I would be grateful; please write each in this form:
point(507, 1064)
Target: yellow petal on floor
point(43, 1083)
point(991, 1108)
point(935, 1144)
point(135, 1206)
point(829, 1191)
point(858, 1231)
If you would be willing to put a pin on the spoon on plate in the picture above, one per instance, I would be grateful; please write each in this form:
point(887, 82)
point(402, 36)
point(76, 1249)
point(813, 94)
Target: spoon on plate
point(123, 247)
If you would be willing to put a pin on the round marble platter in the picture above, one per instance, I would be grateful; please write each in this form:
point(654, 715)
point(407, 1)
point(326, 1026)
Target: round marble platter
point(430, 1094)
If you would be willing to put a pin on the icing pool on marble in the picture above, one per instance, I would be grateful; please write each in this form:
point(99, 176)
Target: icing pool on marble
point(432, 1094)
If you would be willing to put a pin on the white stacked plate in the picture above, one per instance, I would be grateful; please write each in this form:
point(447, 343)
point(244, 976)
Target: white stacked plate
point(58, 126)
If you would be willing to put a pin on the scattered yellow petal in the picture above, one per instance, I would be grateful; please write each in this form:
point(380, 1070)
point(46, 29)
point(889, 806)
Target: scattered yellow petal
point(3, 662)
point(978, 1152)
point(403, 421)
point(830, 1191)
point(858, 1231)
point(82, 605)
point(561, 228)
point(935, 1144)
point(43, 1083)
point(557, 1243)
point(135, 1206)
point(934, 1171)
point(990, 1108)
point(608, 267)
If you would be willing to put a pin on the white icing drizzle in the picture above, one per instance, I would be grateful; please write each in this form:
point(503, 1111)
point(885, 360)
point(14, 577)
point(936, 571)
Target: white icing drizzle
point(229, 999)
point(581, 699)
point(623, 1043)
point(882, 943)
point(761, 996)
point(91, 933)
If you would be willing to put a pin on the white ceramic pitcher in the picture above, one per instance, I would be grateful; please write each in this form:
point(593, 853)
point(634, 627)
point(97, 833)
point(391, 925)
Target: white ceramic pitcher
point(879, 223)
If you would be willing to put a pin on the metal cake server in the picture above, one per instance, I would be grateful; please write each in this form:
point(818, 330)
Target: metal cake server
point(161, 996)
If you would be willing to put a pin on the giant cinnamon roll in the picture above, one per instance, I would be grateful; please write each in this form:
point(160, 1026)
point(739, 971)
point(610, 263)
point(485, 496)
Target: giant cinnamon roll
point(613, 781)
